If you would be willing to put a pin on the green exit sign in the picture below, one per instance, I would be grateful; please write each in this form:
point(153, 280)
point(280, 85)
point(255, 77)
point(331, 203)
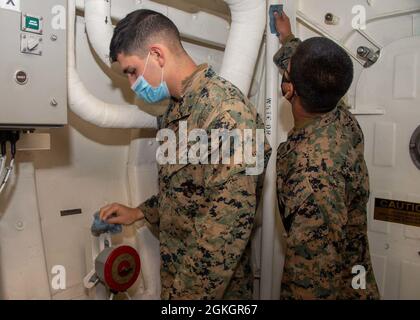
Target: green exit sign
point(31, 23)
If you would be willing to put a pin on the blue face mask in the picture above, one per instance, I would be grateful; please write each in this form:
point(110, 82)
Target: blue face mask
point(146, 92)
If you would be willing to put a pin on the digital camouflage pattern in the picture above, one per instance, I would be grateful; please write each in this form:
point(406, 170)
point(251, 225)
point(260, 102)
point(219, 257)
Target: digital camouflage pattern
point(205, 213)
point(283, 56)
point(323, 190)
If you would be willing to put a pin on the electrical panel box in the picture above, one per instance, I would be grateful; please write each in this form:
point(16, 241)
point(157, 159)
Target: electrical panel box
point(33, 63)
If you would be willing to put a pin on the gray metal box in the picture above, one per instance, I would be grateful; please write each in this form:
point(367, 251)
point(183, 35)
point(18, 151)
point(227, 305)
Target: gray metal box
point(33, 63)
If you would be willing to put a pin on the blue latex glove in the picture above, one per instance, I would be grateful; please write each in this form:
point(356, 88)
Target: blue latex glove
point(99, 226)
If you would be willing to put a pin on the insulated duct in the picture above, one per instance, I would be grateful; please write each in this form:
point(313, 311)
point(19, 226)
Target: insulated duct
point(92, 109)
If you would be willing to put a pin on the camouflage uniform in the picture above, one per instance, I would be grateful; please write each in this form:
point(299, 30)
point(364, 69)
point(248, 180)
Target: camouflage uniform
point(323, 190)
point(205, 213)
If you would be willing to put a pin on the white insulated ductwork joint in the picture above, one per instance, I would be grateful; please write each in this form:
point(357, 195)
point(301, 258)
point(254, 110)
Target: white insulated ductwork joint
point(92, 109)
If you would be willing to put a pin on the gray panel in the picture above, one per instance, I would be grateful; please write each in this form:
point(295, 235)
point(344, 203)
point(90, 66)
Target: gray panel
point(42, 99)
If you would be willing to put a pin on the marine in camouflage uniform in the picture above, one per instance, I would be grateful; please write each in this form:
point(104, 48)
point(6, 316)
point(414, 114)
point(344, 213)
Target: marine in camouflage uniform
point(205, 213)
point(323, 190)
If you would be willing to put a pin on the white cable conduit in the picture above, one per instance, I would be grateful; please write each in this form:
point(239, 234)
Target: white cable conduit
point(90, 108)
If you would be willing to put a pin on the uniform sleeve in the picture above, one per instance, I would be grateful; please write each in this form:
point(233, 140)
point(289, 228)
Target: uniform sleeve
point(283, 56)
point(223, 226)
point(150, 211)
point(315, 206)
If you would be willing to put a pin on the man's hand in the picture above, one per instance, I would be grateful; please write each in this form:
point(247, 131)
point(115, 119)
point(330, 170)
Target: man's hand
point(118, 214)
point(283, 26)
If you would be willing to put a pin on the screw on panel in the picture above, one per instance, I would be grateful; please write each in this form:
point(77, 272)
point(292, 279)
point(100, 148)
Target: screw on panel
point(54, 37)
point(54, 102)
point(331, 19)
point(19, 225)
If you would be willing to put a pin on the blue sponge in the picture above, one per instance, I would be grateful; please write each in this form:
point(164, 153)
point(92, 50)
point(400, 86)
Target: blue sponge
point(274, 8)
point(99, 226)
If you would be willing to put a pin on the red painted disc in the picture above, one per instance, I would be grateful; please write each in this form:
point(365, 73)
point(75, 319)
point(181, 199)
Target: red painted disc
point(122, 268)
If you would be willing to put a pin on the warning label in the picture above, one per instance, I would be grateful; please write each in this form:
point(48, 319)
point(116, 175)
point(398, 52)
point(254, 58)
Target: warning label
point(402, 212)
point(10, 5)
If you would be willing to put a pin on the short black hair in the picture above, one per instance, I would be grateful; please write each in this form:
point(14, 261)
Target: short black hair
point(134, 33)
point(322, 73)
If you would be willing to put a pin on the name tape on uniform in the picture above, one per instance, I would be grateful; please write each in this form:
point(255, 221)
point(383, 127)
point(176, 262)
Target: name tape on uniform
point(10, 5)
point(402, 212)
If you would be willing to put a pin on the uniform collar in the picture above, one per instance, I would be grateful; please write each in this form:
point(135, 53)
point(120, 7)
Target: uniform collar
point(297, 134)
point(191, 92)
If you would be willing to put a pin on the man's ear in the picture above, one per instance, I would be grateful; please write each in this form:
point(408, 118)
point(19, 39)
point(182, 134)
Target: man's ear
point(288, 89)
point(157, 52)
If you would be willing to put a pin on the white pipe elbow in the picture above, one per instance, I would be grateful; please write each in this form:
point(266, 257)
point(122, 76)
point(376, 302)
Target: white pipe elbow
point(92, 109)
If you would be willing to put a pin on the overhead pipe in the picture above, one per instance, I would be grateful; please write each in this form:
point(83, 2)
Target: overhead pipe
point(191, 25)
point(242, 47)
point(92, 109)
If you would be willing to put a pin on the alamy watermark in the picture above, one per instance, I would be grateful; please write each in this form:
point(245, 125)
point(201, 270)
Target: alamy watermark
point(359, 280)
point(58, 279)
point(200, 147)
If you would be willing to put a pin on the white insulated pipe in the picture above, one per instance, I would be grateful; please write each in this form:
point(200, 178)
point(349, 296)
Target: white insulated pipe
point(244, 42)
point(248, 20)
point(90, 108)
point(242, 48)
point(99, 27)
point(191, 25)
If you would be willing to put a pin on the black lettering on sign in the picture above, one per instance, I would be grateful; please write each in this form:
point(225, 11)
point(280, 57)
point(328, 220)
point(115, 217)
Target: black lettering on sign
point(10, 2)
point(401, 212)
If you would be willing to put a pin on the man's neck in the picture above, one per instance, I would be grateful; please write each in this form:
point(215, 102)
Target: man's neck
point(301, 117)
point(184, 70)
